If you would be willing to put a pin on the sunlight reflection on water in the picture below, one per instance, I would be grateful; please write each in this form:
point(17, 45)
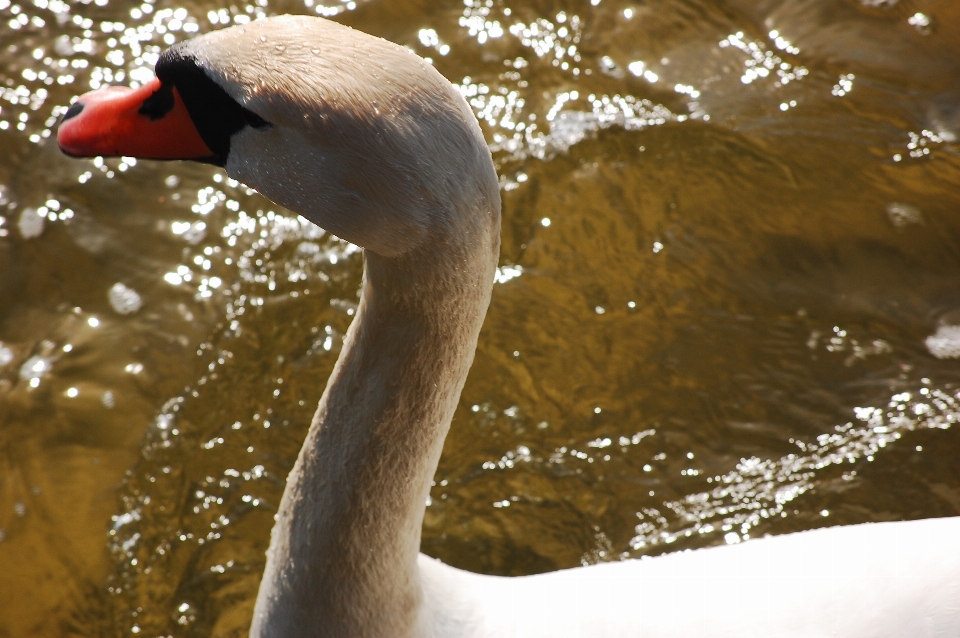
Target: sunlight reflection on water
point(725, 307)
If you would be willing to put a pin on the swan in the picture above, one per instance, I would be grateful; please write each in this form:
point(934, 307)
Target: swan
point(369, 141)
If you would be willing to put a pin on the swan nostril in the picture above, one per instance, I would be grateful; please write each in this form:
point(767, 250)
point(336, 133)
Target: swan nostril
point(75, 109)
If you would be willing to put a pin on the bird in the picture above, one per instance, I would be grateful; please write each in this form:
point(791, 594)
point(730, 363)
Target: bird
point(370, 142)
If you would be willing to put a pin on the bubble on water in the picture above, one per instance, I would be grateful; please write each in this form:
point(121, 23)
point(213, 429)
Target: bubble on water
point(30, 224)
point(609, 67)
point(63, 46)
point(945, 343)
point(108, 399)
point(6, 355)
point(123, 299)
point(921, 22)
point(901, 215)
point(35, 368)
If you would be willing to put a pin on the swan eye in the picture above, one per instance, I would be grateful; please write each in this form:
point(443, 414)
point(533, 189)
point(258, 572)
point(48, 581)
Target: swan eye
point(255, 120)
point(217, 116)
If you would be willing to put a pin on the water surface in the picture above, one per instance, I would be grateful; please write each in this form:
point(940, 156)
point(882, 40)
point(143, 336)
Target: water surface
point(726, 307)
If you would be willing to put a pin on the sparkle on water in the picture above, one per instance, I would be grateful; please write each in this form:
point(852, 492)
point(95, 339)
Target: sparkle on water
point(726, 307)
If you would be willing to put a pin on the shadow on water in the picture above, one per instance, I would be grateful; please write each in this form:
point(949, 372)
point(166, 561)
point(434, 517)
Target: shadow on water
point(726, 307)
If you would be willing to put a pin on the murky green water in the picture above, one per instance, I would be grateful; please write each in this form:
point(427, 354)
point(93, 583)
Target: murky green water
point(726, 305)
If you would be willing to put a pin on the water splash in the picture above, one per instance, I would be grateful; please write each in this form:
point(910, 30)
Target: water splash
point(123, 299)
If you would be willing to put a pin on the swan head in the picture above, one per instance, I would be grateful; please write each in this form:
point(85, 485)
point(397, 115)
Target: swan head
point(355, 133)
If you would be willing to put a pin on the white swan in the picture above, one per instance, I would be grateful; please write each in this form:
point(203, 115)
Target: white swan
point(370, 142)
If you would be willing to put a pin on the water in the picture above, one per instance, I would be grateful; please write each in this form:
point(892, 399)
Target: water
point(727, 302)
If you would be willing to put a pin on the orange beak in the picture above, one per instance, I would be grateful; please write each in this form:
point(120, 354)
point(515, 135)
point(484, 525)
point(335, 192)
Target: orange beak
point(111, 122)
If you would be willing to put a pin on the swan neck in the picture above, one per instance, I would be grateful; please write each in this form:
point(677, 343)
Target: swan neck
point(343, 554)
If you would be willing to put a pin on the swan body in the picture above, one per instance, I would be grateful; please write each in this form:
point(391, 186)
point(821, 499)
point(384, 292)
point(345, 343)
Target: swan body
point(370, 142)
point(873, 580)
